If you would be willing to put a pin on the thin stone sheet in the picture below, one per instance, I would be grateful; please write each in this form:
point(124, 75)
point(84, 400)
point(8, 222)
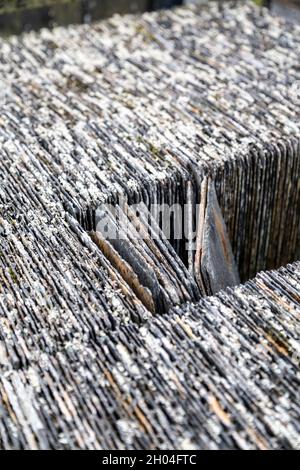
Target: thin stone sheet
point(144, 105)
point(129, 101)
point(148, 107)
point(51, 270)
point(223, 373)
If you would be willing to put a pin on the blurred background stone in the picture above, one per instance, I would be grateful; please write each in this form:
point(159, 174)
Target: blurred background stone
point(290, 9)
point(287, 8)
point(17, 16)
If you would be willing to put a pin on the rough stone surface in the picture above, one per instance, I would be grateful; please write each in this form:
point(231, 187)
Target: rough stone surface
point(148, 107)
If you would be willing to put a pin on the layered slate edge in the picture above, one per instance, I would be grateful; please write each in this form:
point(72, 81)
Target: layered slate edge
point(143, 105)
point(223, 373)
point(83, 363)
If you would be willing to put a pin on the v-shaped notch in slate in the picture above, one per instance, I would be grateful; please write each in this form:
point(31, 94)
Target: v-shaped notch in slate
point(138, 248)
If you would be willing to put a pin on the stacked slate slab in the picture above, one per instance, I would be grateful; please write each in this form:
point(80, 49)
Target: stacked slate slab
point(223, 373)
point(144, 105)
point(149, 109)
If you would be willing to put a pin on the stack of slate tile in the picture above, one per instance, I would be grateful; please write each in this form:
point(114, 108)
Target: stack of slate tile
point(146, 343)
